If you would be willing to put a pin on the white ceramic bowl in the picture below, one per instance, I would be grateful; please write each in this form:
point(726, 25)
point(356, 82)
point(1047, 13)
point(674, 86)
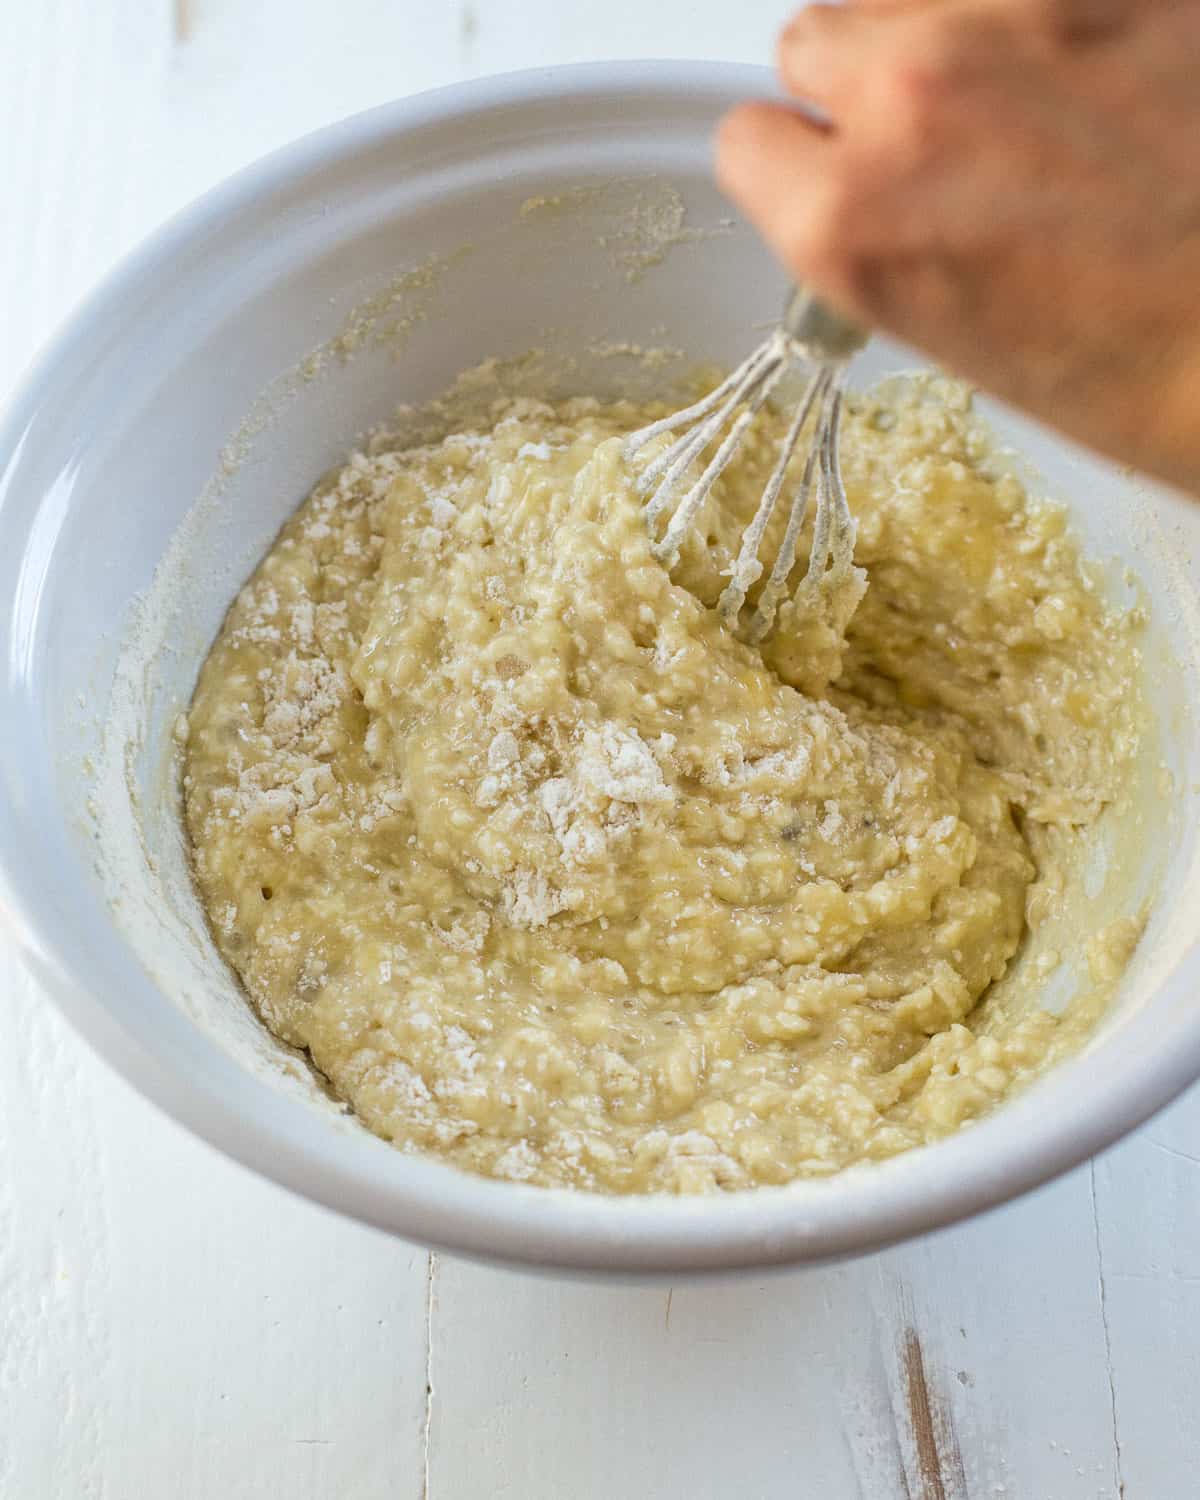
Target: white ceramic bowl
point(177, 371)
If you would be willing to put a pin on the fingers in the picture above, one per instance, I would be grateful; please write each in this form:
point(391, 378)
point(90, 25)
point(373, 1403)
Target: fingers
point(773, 162)
point(1079, 21)
point(837, 200)
point(820, 53)
point(764, 154)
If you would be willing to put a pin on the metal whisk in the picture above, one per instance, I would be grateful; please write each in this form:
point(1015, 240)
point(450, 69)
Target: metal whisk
point(809, 331)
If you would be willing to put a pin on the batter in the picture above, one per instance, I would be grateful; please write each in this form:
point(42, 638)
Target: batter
point(554, 878)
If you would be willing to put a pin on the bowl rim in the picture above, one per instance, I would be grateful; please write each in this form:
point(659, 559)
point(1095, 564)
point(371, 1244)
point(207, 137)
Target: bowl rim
point(1048, 1129)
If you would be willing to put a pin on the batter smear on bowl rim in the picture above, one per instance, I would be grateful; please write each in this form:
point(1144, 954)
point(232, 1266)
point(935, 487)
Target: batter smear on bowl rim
point(556, 879)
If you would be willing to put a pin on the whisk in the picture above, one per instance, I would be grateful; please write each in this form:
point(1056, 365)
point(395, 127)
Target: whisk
point(812, 332)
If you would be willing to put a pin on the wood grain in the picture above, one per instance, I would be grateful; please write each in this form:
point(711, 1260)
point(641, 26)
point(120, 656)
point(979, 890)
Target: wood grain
point(806, 1375)
point(172, 1326)
point(939, 1458)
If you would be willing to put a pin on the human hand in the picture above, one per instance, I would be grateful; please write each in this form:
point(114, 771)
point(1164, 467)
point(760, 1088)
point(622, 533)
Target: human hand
point(1014, 186)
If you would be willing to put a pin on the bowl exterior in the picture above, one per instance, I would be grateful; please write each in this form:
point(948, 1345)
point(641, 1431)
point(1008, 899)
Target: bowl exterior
point(120, 426)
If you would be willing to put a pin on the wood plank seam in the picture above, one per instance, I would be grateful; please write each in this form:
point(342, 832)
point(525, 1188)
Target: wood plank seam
point(430, 1311)
point(1118, 1475)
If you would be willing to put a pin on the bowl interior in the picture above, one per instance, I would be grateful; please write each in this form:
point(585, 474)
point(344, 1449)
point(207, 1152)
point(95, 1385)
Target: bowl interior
point(186, 413)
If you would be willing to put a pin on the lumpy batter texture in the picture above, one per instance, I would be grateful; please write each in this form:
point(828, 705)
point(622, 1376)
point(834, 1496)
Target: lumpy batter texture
point(554, 877)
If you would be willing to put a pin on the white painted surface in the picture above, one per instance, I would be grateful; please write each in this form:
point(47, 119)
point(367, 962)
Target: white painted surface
point(171, 1326)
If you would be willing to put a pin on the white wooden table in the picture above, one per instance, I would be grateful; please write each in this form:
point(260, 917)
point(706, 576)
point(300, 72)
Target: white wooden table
point(173, 1328)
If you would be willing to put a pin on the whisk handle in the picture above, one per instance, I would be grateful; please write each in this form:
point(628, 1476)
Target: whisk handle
point(823, 335)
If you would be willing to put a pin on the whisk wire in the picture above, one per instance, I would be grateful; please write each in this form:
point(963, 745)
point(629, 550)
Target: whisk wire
point(687, 414)
point(810, 330)
point(667, 468)
point(776, 586)
point(747, 569)
point(668, 549)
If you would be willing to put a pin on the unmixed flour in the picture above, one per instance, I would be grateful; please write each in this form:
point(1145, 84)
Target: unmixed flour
point(555, 878)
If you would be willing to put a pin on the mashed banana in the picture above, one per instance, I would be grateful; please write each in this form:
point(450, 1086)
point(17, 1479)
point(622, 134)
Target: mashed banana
point(555, 878)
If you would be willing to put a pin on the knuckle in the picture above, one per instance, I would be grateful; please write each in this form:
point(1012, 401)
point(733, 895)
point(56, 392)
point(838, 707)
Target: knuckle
point(833, 215)
point(910, 111)
point(735, 131)
point(816, 20)
point(808, 28)
point(827, 236)
point(739, 136)
point(922, 83)
point(1066, 22)
point(951, 44)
